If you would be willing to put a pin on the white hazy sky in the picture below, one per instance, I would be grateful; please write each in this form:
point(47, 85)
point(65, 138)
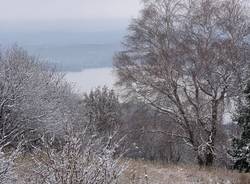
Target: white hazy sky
point(34, 10)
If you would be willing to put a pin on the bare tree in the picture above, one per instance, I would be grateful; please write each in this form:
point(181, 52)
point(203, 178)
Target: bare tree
point(186, 58)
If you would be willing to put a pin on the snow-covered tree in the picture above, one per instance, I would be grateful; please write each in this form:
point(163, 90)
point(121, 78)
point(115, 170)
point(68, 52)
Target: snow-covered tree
point(33, 97)
point(240, 151)
point(39, 111)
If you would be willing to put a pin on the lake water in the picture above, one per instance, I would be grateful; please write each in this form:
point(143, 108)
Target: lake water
point(85, 57)
point(88, 79)
point(76, 57)
point(70, 51)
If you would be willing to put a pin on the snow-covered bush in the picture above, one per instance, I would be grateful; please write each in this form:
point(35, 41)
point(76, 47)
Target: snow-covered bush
point(82, 160)
point(7, 173)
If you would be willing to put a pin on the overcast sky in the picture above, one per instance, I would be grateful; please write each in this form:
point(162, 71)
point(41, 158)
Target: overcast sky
point(43, 10)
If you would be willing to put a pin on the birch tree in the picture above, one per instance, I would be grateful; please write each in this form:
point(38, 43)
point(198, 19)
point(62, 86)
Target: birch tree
point(185, 58)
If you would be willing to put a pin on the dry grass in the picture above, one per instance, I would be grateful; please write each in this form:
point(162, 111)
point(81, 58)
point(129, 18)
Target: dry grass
point(140, 172)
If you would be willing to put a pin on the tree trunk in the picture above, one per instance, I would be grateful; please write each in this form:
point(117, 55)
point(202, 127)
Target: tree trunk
point(200, 161)
point(209, 151)
point(209, 159)
point(205, 160)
